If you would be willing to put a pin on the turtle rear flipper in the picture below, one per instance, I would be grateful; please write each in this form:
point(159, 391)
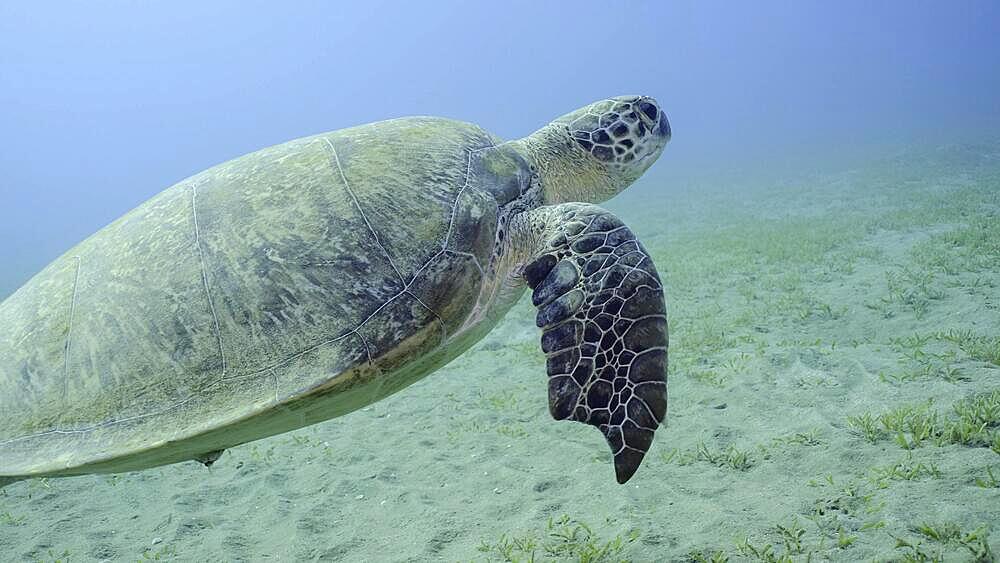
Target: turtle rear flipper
point(208, 458)
point(601, 307)
point(4, 481)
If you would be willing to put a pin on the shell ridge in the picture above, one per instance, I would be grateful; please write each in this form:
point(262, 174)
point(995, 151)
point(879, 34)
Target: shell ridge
point(204, 278)
point(69, 330)
point(184, 401)
point(357, 203)
point(454, 208)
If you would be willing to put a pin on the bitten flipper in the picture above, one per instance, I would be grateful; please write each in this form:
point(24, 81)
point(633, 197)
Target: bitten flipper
point(601, 307)
point(208, 458)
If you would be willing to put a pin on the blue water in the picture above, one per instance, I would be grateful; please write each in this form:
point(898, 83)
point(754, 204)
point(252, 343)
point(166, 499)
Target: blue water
point(103, 106)
point(824, 220)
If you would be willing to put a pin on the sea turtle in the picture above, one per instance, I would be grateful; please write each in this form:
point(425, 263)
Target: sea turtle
point(306, 280)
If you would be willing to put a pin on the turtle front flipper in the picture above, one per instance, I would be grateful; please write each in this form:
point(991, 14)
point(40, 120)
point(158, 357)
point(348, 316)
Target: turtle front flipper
point(601, 307)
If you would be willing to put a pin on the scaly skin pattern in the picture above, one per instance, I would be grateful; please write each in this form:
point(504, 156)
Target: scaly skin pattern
point(285, 287)
point(601, 308)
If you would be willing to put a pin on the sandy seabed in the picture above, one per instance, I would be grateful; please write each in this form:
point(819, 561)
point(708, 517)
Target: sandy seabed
point(834, 395)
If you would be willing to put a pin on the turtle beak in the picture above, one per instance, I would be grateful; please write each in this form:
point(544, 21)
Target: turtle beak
point(664, 128)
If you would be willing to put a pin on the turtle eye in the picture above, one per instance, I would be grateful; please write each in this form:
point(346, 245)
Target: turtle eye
point(648, 109)
point(601, 137)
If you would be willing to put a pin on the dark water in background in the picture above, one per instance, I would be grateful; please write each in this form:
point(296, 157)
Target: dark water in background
point(102, 106)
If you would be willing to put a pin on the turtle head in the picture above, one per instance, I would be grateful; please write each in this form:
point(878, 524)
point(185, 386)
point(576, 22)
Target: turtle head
point(595, 152)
